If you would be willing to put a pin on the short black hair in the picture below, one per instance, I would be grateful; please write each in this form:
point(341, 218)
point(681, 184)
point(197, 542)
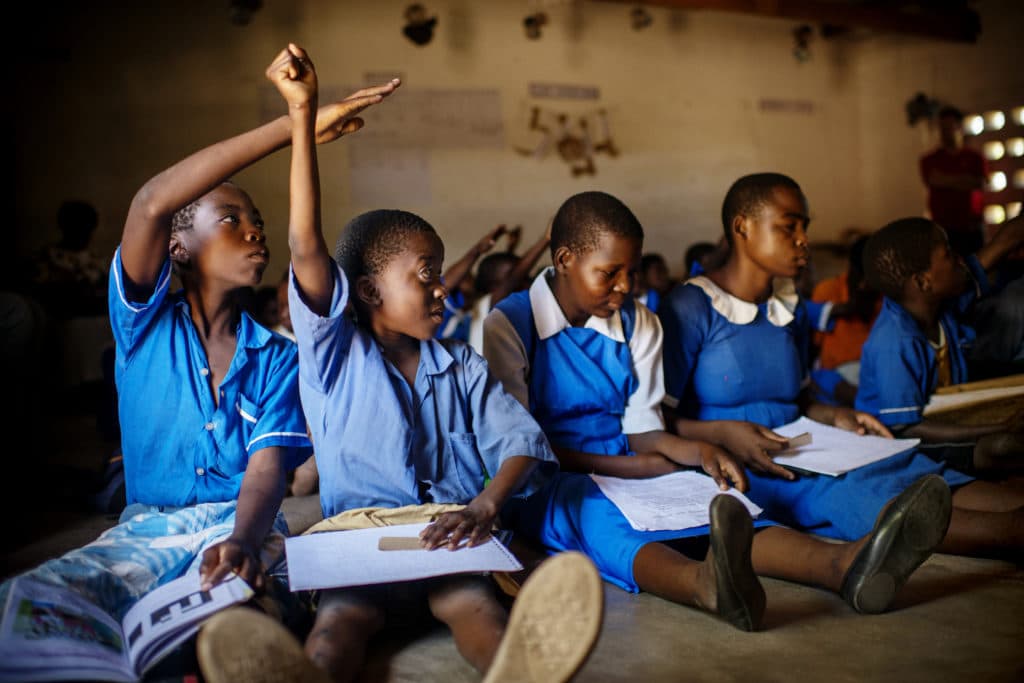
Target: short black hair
point(951, 112)
point(584, 217)
point(899, 251)
point(651, 259)
point(696, 253)
point(488, 271)
point(183, 218)
point(747, 195)
point(372, 239)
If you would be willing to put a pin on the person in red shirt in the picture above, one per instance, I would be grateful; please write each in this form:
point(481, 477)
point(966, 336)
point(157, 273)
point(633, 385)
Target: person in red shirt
point(955, 176)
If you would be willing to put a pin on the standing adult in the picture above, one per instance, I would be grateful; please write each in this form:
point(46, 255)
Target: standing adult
point(955, 175)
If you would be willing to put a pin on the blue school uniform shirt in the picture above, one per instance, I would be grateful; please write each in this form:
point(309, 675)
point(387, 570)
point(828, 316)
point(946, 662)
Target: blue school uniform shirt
point(898, 368)
point(181, 448)
point(380, 442)
point(728, 359)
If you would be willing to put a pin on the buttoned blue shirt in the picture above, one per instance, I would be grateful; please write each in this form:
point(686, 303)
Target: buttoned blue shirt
point(898, 366)
point(381, 442)
point(180, 446)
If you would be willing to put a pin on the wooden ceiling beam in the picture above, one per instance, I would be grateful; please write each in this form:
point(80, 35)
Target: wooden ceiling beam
point(959, 24)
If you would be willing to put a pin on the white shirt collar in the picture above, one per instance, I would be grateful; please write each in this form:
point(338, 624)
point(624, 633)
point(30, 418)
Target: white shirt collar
point(779, 309)
point(550, 320)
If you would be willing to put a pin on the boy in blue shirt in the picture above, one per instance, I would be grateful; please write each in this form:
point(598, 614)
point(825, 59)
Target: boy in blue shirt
point(208, 399)
point(917, 343)
point(400, 419)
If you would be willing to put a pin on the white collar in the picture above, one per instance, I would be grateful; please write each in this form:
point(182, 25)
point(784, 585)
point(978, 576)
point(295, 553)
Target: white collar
point(780, 305)
point(549, 319)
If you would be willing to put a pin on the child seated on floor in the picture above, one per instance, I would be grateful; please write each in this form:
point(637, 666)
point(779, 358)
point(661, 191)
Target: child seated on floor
point(586, 359)
point(402, 420)
point(918, 342)
point(208, 399)
point(735, 361)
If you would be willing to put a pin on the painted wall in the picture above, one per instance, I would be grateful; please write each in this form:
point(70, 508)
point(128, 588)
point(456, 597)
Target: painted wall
point(108, 96)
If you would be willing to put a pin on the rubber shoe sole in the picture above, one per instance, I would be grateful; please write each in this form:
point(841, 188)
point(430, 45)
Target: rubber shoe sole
point(741, 598)
point(905, 535)
point(555, 621)
point(244, 645)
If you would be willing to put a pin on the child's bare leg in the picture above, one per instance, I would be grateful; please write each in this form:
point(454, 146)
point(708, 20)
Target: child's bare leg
point(988, 497)
point(981, 533)
point(724, 583)
point(794, 556)
point(999, 454)
point(345, 622)
point(468, 606)
point(869, 571)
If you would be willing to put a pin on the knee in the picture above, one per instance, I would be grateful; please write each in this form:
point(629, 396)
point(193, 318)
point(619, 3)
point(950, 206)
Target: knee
point(453, 602)
point(341, 615)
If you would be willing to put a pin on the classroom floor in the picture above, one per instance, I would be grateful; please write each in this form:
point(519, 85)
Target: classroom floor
point(957, 618)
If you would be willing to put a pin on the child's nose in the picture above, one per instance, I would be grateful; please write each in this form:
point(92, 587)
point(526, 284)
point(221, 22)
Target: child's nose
point(440, 291)
point(256, 235)
point(624, 283)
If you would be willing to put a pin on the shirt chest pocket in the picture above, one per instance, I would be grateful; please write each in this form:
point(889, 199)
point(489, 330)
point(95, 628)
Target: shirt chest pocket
point(463, 476)
point(234, 439)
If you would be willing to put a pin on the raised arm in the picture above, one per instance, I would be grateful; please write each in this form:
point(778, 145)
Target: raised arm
point(522, 268)
point(311, 260)
point(456, 272)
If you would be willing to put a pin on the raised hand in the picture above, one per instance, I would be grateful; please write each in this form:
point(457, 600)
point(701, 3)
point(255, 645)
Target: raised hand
point(341, 118)
point(293, 75)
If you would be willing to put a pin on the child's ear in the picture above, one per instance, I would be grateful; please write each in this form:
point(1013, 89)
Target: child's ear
point(178, 252)
point(923, 281)
point(563, 258)
point(739, 226)
point(367, 291)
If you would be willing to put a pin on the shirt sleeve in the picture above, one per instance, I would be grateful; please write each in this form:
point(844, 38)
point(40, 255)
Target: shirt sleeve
point(129, 319)
point(323, 342)
point(502, 426)
point(684, 319)
point(895, 382)
point(643, 409)
point(281, 421)
point(506, 356)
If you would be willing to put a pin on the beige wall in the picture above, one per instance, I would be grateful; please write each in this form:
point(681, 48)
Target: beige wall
point(141, 87)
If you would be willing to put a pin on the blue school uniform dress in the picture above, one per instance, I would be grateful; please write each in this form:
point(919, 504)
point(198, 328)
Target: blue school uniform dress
point(729, 359)
point(382, 443)
point(184, 454)
point(588, 387)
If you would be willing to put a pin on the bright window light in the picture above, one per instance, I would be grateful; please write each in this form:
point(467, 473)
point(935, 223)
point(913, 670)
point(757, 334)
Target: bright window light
point(1018, 178)
point(994, 214)
point(997, 181)
point(1015, 147)
point(1018, 115)
point(993, 150)
point(1012, 210)
point(974, 124)
point(994, 120)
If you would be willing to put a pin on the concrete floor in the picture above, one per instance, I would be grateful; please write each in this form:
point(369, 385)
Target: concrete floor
point(956, 619)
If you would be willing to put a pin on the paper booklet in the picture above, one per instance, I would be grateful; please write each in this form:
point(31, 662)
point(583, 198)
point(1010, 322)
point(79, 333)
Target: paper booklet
point(835, 451)
point(336, 559)
point(50, 633)
point(674, 501)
